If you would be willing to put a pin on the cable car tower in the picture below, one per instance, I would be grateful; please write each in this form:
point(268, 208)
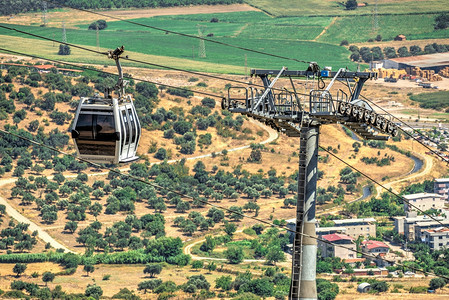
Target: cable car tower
point(301, 115)
point(107, 129)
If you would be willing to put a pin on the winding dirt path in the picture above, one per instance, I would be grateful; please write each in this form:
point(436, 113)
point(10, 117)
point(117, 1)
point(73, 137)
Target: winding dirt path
point(188, 250)
point(46, 238)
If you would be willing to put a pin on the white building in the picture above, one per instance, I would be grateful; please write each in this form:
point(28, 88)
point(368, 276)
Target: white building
point(437, 238)
point(441, 187)
point(358, 227)
point(406, 224)
point(423, 201)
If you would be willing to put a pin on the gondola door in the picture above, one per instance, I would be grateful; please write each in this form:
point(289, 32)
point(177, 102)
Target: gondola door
point(130, 132)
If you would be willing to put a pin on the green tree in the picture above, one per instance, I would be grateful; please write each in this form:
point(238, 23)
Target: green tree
point(437, 283)
point(224, 283)
point(149, 285)
point(64, 50)
point(48, 277)
point(209, 244)
point(275, 254)
point(351, 4)
point(93, 291)
point(230, 228)
point(441, 21)
point(88, 268)
point(234, 254)
point(19, 268)
point(152, 269)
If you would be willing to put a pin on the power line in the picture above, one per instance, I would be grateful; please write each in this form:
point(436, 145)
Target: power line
point(354, 168)
point(201, 74)
point(104, 72)
point(143, 62)
point(118, 172)
point(379, 184)
point(182, 34)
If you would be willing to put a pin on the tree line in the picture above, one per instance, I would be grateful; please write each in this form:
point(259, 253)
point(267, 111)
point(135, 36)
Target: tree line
point(11, 7)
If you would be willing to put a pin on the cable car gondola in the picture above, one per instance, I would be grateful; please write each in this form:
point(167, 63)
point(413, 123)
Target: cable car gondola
point(107, 130)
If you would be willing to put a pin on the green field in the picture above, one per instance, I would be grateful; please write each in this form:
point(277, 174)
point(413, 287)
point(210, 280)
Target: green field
point(436, 100)
point(254, 30)
point(280, 8)
point(359, 28)
point(304, 37)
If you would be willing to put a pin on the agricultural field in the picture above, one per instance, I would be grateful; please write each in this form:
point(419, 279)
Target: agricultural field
point(357, 29)
point(283, 8)
point(253, 30)
point(435, 100)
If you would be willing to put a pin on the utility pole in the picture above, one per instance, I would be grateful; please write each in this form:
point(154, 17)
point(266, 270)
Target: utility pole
point(44, 14)
point(202, 46)
point(375, 18)
point(246, 66)
point(64, 36)
point(287, 112)
point(98, 36)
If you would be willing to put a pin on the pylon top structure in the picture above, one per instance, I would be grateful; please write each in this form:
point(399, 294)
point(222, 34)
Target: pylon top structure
point(301, 115)
point(287, 111)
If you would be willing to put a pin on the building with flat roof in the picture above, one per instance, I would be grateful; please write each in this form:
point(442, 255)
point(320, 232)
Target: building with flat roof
point(358, 227)
point(420, 227)
point(441, 187)
point(406, 224)
point(435, 62)
point(320, 231)
point(333, 250)
point(423, 201)
point(437, 238)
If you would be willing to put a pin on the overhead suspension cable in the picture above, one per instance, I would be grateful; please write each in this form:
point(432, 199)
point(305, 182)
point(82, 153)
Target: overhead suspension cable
point(142, 62)
point(385, 188)
point(213, 95)
point(182, 34)
point(405, 132)
point(109, 73)
point(207, 75)
point(230, 211)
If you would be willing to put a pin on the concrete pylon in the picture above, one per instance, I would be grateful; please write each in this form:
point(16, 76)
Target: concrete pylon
point(303, 285)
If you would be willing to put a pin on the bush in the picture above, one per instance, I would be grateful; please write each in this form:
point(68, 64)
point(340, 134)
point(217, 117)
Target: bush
point(344, 43)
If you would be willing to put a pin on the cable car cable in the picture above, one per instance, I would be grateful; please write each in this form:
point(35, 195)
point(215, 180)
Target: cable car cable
point(405, 132)
point(105, 72)
point(388, 190)
point(143, 62)
point(98, 166)
point(365, 175)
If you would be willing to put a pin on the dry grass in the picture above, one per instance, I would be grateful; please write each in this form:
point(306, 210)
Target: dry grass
point(72, 18)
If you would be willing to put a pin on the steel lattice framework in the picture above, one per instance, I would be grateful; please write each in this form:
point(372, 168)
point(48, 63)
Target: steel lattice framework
point(301, 115)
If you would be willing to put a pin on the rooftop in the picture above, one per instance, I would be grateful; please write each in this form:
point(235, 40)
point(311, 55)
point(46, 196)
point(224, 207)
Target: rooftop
point(337, 237)
point(422, 195)
point(350, 221)
point(424, 61)
point(437, 230)
point(321, 229)
point(441, 179)
point(374, 244)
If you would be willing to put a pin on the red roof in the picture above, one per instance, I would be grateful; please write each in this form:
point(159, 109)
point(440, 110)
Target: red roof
point(374, 244)
point(337, 237)
point(44, 67)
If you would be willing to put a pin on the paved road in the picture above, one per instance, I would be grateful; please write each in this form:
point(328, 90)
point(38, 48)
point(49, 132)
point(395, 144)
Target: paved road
point(46, 238)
